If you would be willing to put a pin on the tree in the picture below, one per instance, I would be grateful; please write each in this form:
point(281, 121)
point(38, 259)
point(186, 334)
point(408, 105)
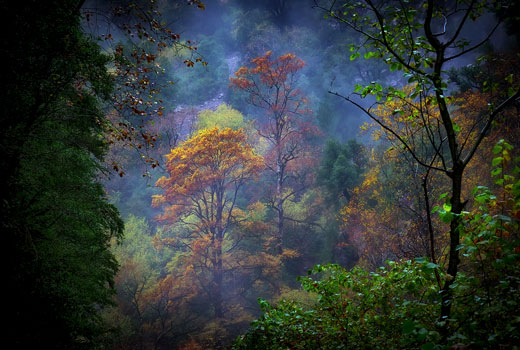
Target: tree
point(341, 168)
point(386, 217)
point(140, 44)
point(271, 84)
point(223, 117)
point(205, 175)
point(408, 38)
point(57, 222)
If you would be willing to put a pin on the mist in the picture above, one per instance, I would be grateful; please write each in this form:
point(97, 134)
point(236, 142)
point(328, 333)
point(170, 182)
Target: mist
point(272, 174)
point(229, 35)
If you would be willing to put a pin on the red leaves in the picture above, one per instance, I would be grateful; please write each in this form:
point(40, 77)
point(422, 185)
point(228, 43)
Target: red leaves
point(135, 69)
point(117, 169)
point(107, 37)
point(270, 72)
point(199, 4)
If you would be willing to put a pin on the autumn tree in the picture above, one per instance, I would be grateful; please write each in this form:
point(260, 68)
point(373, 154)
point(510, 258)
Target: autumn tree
point(407, 186)
point(137, 38)
point(205, 175)
point(420, 41)
point(386, 217)
point(271, 84)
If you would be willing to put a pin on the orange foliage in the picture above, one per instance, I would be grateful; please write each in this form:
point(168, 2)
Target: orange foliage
point(271, 85)
point(271, 73)
point(205, 174)
point(382, 231)
point(385, 217)
point(202, 173)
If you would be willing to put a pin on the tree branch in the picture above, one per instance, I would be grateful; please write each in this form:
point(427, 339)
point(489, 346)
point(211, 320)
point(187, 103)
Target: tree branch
point(486, 127)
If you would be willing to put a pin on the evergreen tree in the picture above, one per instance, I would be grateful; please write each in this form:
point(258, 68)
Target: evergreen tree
point(55, 217)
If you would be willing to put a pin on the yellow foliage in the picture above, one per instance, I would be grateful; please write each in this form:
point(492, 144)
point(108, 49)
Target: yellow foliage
point(223, 117)
point(213, 162)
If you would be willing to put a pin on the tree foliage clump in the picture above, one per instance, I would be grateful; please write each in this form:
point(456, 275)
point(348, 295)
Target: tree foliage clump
point(205, 175)
point(57, 222)
point(351, 310)
point(341, 169)
point(271, 85)
point(223, 117)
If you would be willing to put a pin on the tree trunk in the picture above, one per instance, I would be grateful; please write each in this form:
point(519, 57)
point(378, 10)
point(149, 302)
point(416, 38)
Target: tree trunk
point(279, 203)
point(456, 208)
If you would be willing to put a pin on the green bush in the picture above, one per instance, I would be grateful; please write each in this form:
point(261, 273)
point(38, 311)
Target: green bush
point(398, 306)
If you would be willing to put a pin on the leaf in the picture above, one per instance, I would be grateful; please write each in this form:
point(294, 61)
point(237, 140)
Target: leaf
point(496, 172)
point(408, 326)
point(496, 161)
point(456, 128)
point(431, 265)
point(446, 217)
point(427, 346)
point(420, 260)
point(503, 218)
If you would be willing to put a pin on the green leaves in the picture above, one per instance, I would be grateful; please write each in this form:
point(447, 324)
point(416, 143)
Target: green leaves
point(456, 128)
point(356, 307)
point(444, 212)
point(369, 54)
point(341, 169)
point(408, 327)
point(431, 265)
point(490, 247)
point(497, 161)
point(395, 66)
point(503, 150)
point(373, 88)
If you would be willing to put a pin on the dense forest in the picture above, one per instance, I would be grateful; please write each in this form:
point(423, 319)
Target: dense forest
point(270, 174)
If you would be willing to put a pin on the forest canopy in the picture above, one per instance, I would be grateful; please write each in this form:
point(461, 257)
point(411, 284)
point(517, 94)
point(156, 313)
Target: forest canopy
point(261, 175)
